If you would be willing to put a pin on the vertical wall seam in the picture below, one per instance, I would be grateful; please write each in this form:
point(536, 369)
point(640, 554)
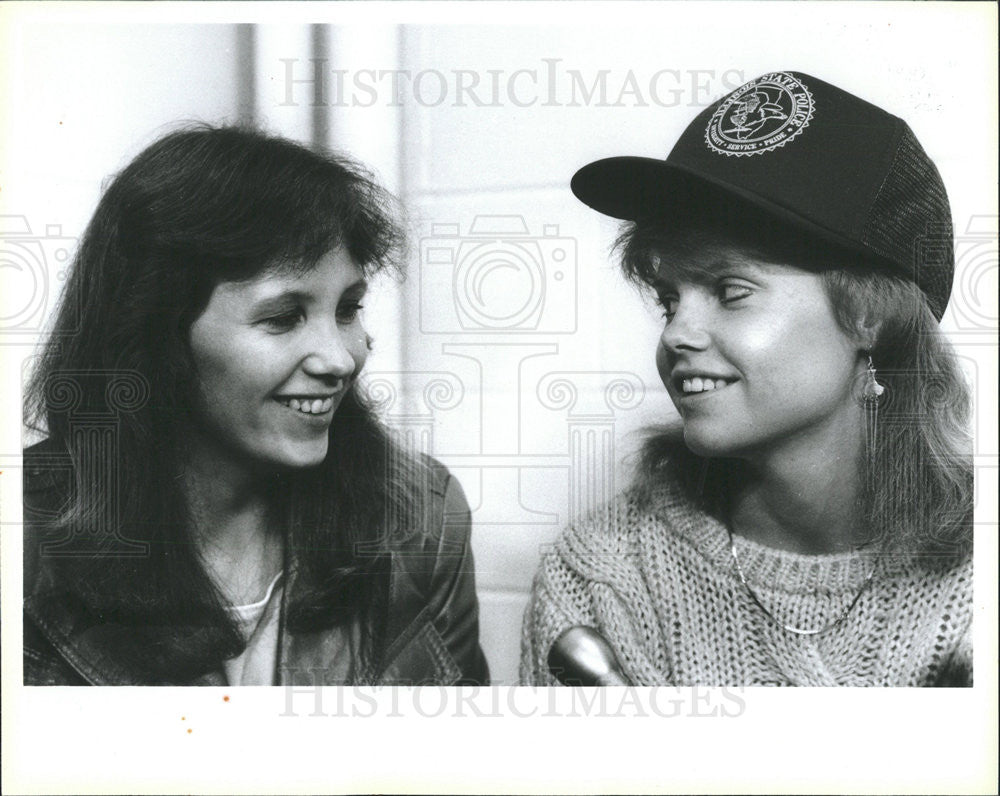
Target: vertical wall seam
point(246, 69)
point(320, 54)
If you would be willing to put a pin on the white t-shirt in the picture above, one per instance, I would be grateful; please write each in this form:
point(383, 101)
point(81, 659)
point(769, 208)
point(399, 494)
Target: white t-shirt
point(259, 623)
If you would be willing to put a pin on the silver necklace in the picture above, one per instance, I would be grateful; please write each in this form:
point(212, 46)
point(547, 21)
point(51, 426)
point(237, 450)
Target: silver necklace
point(798, 631)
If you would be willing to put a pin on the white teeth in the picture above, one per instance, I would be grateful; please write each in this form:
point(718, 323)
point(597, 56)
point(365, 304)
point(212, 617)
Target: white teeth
point(699, 384)
point(316, 406)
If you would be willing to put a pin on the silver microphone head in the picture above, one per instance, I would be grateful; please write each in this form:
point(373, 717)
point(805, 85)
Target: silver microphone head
point(582, 657)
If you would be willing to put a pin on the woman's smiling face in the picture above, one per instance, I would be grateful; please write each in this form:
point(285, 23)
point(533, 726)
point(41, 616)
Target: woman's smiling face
point(752, 354)
point(274, 356)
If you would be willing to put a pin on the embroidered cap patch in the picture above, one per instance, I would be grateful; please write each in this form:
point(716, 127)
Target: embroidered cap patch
point(760, 116)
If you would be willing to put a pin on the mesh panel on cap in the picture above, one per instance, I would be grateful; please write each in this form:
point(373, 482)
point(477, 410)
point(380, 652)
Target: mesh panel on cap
point(910, 222)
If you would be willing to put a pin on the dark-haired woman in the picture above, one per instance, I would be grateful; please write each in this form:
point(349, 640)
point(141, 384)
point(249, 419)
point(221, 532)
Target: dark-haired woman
point(215, 502)
point(810, 521)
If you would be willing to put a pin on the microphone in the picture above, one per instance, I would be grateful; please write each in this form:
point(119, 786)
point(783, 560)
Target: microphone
point(582, 657)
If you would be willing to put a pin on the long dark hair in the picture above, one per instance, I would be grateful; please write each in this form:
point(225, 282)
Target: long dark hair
point(200, 206)
point(917, 485)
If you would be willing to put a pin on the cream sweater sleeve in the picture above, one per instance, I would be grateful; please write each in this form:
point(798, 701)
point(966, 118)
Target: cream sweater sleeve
point(558, 601)
point(590, 579)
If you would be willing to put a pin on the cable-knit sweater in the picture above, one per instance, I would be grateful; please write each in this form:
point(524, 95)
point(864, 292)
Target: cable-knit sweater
point(659, 583)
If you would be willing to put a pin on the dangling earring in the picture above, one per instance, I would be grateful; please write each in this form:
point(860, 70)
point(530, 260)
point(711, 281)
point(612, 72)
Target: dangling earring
point(871, 392)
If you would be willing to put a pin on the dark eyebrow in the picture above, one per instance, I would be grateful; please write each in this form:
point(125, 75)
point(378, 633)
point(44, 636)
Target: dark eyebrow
point(357, 289)
point(702, 274)
point(740, 260)
point(658, 283)
point(280, 300)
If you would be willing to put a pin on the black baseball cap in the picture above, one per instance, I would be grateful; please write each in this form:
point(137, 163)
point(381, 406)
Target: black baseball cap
point(805, 152)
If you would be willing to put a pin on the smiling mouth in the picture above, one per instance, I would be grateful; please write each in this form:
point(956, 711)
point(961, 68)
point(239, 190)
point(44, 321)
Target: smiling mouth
point(696, 385)
point(308, 405)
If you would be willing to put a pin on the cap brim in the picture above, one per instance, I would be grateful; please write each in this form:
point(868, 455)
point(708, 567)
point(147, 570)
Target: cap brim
point(632, 188)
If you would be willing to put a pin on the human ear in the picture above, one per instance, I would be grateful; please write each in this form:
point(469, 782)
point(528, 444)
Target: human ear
point(868, 332)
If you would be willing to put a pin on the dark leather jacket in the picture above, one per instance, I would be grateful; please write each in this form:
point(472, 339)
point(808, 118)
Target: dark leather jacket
point(432, 635)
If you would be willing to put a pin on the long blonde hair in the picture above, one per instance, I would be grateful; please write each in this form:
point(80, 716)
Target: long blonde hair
point(918, 477)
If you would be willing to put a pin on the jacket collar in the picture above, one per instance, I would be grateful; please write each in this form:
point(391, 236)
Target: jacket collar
point(120, 653)
point(117, 653)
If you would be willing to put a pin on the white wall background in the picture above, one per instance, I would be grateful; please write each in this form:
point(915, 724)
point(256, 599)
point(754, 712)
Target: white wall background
point(480, 138)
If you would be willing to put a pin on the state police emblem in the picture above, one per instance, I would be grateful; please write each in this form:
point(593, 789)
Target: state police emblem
point(760, 116)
